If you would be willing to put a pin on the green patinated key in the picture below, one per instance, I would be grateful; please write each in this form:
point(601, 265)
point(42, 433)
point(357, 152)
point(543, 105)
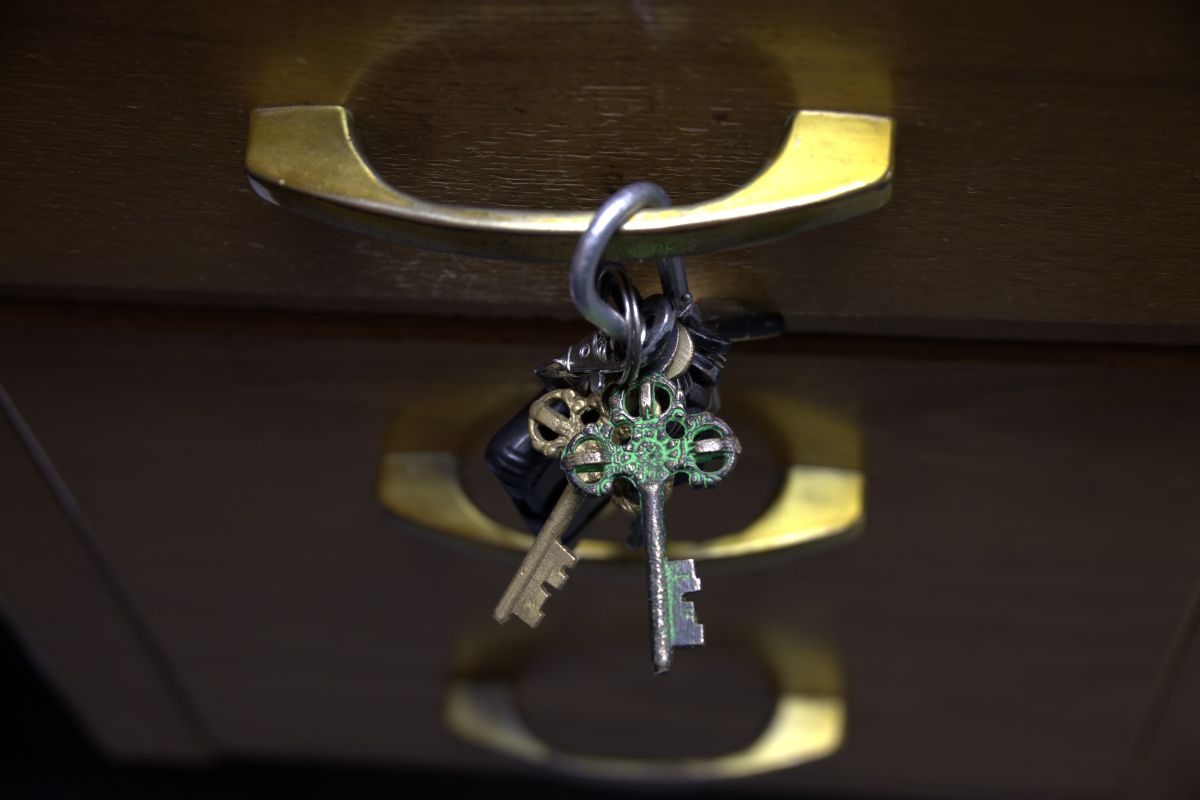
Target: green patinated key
point(648, 440)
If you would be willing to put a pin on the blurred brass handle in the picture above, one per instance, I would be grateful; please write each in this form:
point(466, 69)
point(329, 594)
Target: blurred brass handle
point(808, 721)
point(421, 484)
point(831, 166)
point(802, 728)
point(814, 503)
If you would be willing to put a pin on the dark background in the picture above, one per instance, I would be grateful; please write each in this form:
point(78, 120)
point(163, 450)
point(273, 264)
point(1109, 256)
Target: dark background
point(48, 756)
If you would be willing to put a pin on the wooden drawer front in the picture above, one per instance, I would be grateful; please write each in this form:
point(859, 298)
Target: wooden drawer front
point(999, 624)
point(1024, 131)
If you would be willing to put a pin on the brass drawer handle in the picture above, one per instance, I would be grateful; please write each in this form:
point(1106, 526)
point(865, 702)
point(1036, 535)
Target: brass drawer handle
point(421, 485)
point(831, 166)
point(807, 723)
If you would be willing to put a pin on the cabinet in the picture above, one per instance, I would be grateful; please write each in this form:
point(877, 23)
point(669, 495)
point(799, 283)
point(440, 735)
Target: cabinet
point(1011, 341)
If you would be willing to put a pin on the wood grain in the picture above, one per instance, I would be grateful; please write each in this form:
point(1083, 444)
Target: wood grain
point(1000, 625)
point(1046, 178)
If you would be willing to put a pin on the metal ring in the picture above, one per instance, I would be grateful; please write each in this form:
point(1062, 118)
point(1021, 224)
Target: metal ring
point(612, 214)
point(622, 286)
point(660, 321)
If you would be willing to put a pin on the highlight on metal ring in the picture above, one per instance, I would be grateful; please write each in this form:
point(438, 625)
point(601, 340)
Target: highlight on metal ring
point(616, 278)
point(585, 261)
point(659, 316)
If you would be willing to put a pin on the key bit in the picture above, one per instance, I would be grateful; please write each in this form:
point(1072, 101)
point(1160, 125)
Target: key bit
point(685, 629)
point(549, 569)
point(546, 562)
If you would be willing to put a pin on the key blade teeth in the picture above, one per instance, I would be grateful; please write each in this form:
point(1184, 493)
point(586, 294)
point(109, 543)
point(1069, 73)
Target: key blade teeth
point(553, 568)
point(684, 575)
point(532, 614)
point(686, 630)
point(550, 570)
point(529, 607)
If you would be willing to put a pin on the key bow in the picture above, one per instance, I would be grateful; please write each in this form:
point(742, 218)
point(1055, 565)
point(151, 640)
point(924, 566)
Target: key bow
point(648, 438)
point(550, 429)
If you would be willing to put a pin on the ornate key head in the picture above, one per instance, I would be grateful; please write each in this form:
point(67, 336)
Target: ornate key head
point(550, 428)
point(648, 439)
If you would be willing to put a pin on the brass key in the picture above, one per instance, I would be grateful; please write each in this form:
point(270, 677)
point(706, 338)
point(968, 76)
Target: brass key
point(548, 560)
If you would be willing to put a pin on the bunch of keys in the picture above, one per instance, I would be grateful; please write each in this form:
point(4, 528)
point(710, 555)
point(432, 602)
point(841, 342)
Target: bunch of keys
point(627, 414)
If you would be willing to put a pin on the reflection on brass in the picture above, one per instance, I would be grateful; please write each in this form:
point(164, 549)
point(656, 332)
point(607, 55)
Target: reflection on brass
point(831, 166)
point(422, 485)
point(807, 723)
point(560, 427)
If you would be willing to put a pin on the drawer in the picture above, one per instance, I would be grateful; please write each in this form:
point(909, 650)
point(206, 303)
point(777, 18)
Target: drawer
point(1006, 352)
point(1044, 183)
point(998, 625)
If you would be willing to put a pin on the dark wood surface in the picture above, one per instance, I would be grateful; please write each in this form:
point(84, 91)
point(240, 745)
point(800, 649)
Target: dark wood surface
point(1046, 181)
point(1001, 625)
point(74, 619)
point(1164, 763)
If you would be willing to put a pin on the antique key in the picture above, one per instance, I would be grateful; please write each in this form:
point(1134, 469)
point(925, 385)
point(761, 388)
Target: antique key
point(548, 559)
point(648, 439)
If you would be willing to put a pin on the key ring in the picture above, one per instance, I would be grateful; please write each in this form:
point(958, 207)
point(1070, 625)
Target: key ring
point(585, 261)
point(613, 276)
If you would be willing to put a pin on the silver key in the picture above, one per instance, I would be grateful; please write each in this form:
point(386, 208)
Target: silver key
point(647, 440)
point(673, 619)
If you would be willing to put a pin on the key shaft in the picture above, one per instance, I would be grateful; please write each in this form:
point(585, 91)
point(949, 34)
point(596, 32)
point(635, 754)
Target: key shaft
point(673, 620)
point(649, 439)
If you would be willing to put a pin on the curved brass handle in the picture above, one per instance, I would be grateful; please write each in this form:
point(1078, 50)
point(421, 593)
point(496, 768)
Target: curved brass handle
point(422, 485)
point(831, 166)
point(807, 723)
